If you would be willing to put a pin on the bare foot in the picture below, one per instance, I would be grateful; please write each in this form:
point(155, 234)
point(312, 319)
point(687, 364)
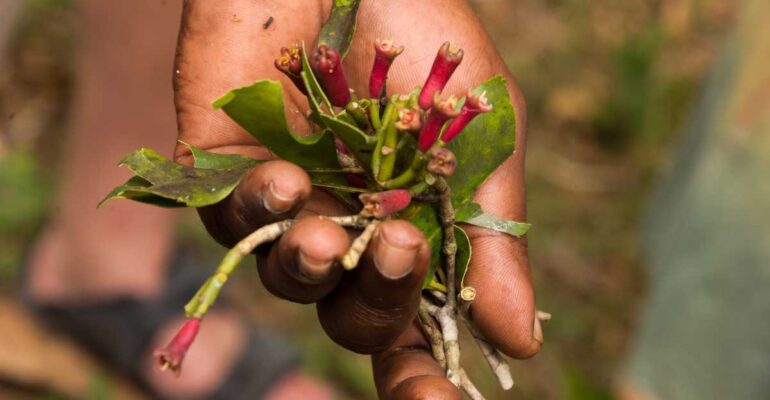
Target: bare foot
point(209, 360)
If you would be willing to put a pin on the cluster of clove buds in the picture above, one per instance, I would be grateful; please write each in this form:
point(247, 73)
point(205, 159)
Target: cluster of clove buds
point(424, 113)
point(434, 120)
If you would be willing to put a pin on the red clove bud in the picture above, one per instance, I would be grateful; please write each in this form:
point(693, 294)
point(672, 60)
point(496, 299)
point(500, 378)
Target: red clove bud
point(382, 204)
point(474, 105)
point(447, 60)
point(441, 111)
point(327, 67)
point(442, 161)
point(290, 63)
point(385, 53)
point(409, 119)
point(171, 356)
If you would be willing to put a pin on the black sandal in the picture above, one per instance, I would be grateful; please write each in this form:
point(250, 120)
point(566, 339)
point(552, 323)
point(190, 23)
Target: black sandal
point(119, 332)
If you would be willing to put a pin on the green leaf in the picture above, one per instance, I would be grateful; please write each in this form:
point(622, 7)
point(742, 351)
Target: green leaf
point(208, 160)
point(163, 182)
point(471, 213)
point(137, 189)
point(484, 144)
point(463, 257)
point(359, 143)
point(337, 31)
point(259, 109)
point(513, 228)
point(315, 94)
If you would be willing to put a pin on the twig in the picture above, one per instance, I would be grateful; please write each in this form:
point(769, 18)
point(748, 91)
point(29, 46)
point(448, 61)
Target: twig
point(467, 385)
point(494, 358)
point(209, 292)
point(447, 315)
point(350, 221)
point(433, 332)
point(357, 248)
point(431, 308)
point(440, 296)
point(466, 297)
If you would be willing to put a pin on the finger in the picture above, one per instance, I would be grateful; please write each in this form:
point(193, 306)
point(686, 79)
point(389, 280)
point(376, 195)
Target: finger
point(272, 191)
point(303, 267)
point(378, 300)
point(504, 308)
point(407, 370)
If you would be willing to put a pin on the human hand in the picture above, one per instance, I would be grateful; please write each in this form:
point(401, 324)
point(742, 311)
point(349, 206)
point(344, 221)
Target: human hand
point(224, 45)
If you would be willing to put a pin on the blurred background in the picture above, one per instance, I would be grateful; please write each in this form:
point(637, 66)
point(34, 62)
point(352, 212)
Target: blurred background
point(609, 85)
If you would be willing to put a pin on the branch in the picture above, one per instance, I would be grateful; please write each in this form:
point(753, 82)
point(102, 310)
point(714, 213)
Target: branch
point(468, 387)
point(206, 296)
point(494, 358)
point(433, 332)
point(208, 293)
point(447, 315)
point(357, 248)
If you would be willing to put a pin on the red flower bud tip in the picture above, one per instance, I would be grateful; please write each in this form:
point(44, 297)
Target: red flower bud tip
point(409, 119)
point(442, 161)
point(382, 204)
point(171, 356)
point(474, 105)
point(328, 69)
point(447, 60)
point(385, 53)
point(441, 111)
point(290, 63)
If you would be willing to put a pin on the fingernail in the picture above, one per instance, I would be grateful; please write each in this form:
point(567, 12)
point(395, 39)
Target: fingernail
point(537, 332)
point(313, 268)
point(277, 202)
point(394, 261)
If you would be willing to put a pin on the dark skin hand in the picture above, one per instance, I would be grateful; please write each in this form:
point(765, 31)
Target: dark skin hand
point(223, 45)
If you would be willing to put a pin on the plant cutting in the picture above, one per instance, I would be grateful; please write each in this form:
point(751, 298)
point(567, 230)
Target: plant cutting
point(411, 156)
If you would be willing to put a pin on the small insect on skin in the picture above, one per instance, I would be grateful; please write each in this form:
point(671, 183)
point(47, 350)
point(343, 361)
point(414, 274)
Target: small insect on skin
point(267, 23)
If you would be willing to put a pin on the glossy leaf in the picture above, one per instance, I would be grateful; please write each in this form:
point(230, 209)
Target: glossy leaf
point(208, 160)
point(137, 189)
point(359, 143)
point(337, 31)
point(489, 221)
point(161, 181)
point(259, 110)
point(471, 213)
point(484, 144)
point(316, 95)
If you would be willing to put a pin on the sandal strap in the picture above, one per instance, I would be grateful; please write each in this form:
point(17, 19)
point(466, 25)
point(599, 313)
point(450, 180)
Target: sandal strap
point(120, 331)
